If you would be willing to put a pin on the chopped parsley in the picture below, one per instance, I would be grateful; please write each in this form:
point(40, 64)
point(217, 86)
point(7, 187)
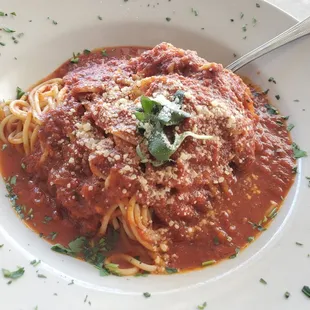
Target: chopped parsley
point(35, 263)
point(203, 306)
point(294, 170)
point(19, 93)
point(41, 276)
point(273, 213)
point(257, 5)
point(277, 97)
point(254, 21)
point(208, 263)
point(308, 178)
point(104, 53)
point(290, 127)
point(271, 110)
point(8, 30)
point(86, 52)
point(3, 14)
point(75, 59)
point(232, 20)
point(71, 283)
point(298, 153)
point(194, 12)
point(298, 243)
point(54, 22)
point(53, 235)
point(171, 270)
point(47, 219)
point(306, 291)
point(99, 17)
point(271, 79)
point(13, 13)
point(237, 250)
point(2, 44)
point(1, 246)
point(168, 19)
point(13, 274)
point(296, 100)
point(244, 27)
point(241, 15)
point(258, 226)
point(147, 295)
point(250, 239)
point(261, 280)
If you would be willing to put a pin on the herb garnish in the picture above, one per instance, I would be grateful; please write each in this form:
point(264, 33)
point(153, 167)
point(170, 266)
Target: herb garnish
point(277, 97)
point(1, 245)
point(308, 178)
point(171, 270)
point(271, 79)
point(13, 13)
point(208, 263)
point(42, 276)
point(306, 291)
point(298, 153)
point(92, 252)
point(298, 243)
point(8, 30)
point(244, 27)
point(273, 213)
point(86, 52)
point(257, 5)
point(19, 92)
point(194, 12)
point(2, 44)
point(71, 283)
point(250, 239)
point(261, 280)
point(290, 127)
point(35, 263)
point(75, 58)
point(3, 14)
point(99, 17)
point(241, 15)
point(237, 250)
point(147, 295)
point(13, 274)
point(294, 170)
point(104, 53)
point(168, 19)
point(258, 226)
point(47, 219)
point(287, 295)
point(254, 21)
point(203, 306)
point(271, 110)
point(153, 117)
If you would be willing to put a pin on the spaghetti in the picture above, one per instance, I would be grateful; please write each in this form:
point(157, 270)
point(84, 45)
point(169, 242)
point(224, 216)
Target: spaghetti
point(160, 149)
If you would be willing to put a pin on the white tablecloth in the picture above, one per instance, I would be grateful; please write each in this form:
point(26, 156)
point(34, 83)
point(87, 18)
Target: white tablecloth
point(300, 9)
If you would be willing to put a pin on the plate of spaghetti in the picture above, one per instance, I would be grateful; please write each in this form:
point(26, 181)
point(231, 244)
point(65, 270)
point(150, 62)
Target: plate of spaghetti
point(136, 173)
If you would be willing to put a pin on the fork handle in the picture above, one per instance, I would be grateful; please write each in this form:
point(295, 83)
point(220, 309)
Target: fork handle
point(299, 30)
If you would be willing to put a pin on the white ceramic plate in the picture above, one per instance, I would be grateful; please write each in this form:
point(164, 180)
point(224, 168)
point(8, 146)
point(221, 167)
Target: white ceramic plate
point(232, 284)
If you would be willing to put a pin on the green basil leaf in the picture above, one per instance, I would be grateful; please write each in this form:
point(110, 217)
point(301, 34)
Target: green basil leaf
point(61, 249)
point(140, 116)
point(19, 93)
point(169, 115)
point(13, 274)
point(76, 245)
point(148, 104)
point(298, 153)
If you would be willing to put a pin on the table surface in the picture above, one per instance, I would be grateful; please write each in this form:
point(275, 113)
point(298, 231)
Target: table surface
point(299, 9)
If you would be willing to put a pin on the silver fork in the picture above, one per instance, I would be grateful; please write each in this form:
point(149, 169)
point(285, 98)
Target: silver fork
point(299, 30)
